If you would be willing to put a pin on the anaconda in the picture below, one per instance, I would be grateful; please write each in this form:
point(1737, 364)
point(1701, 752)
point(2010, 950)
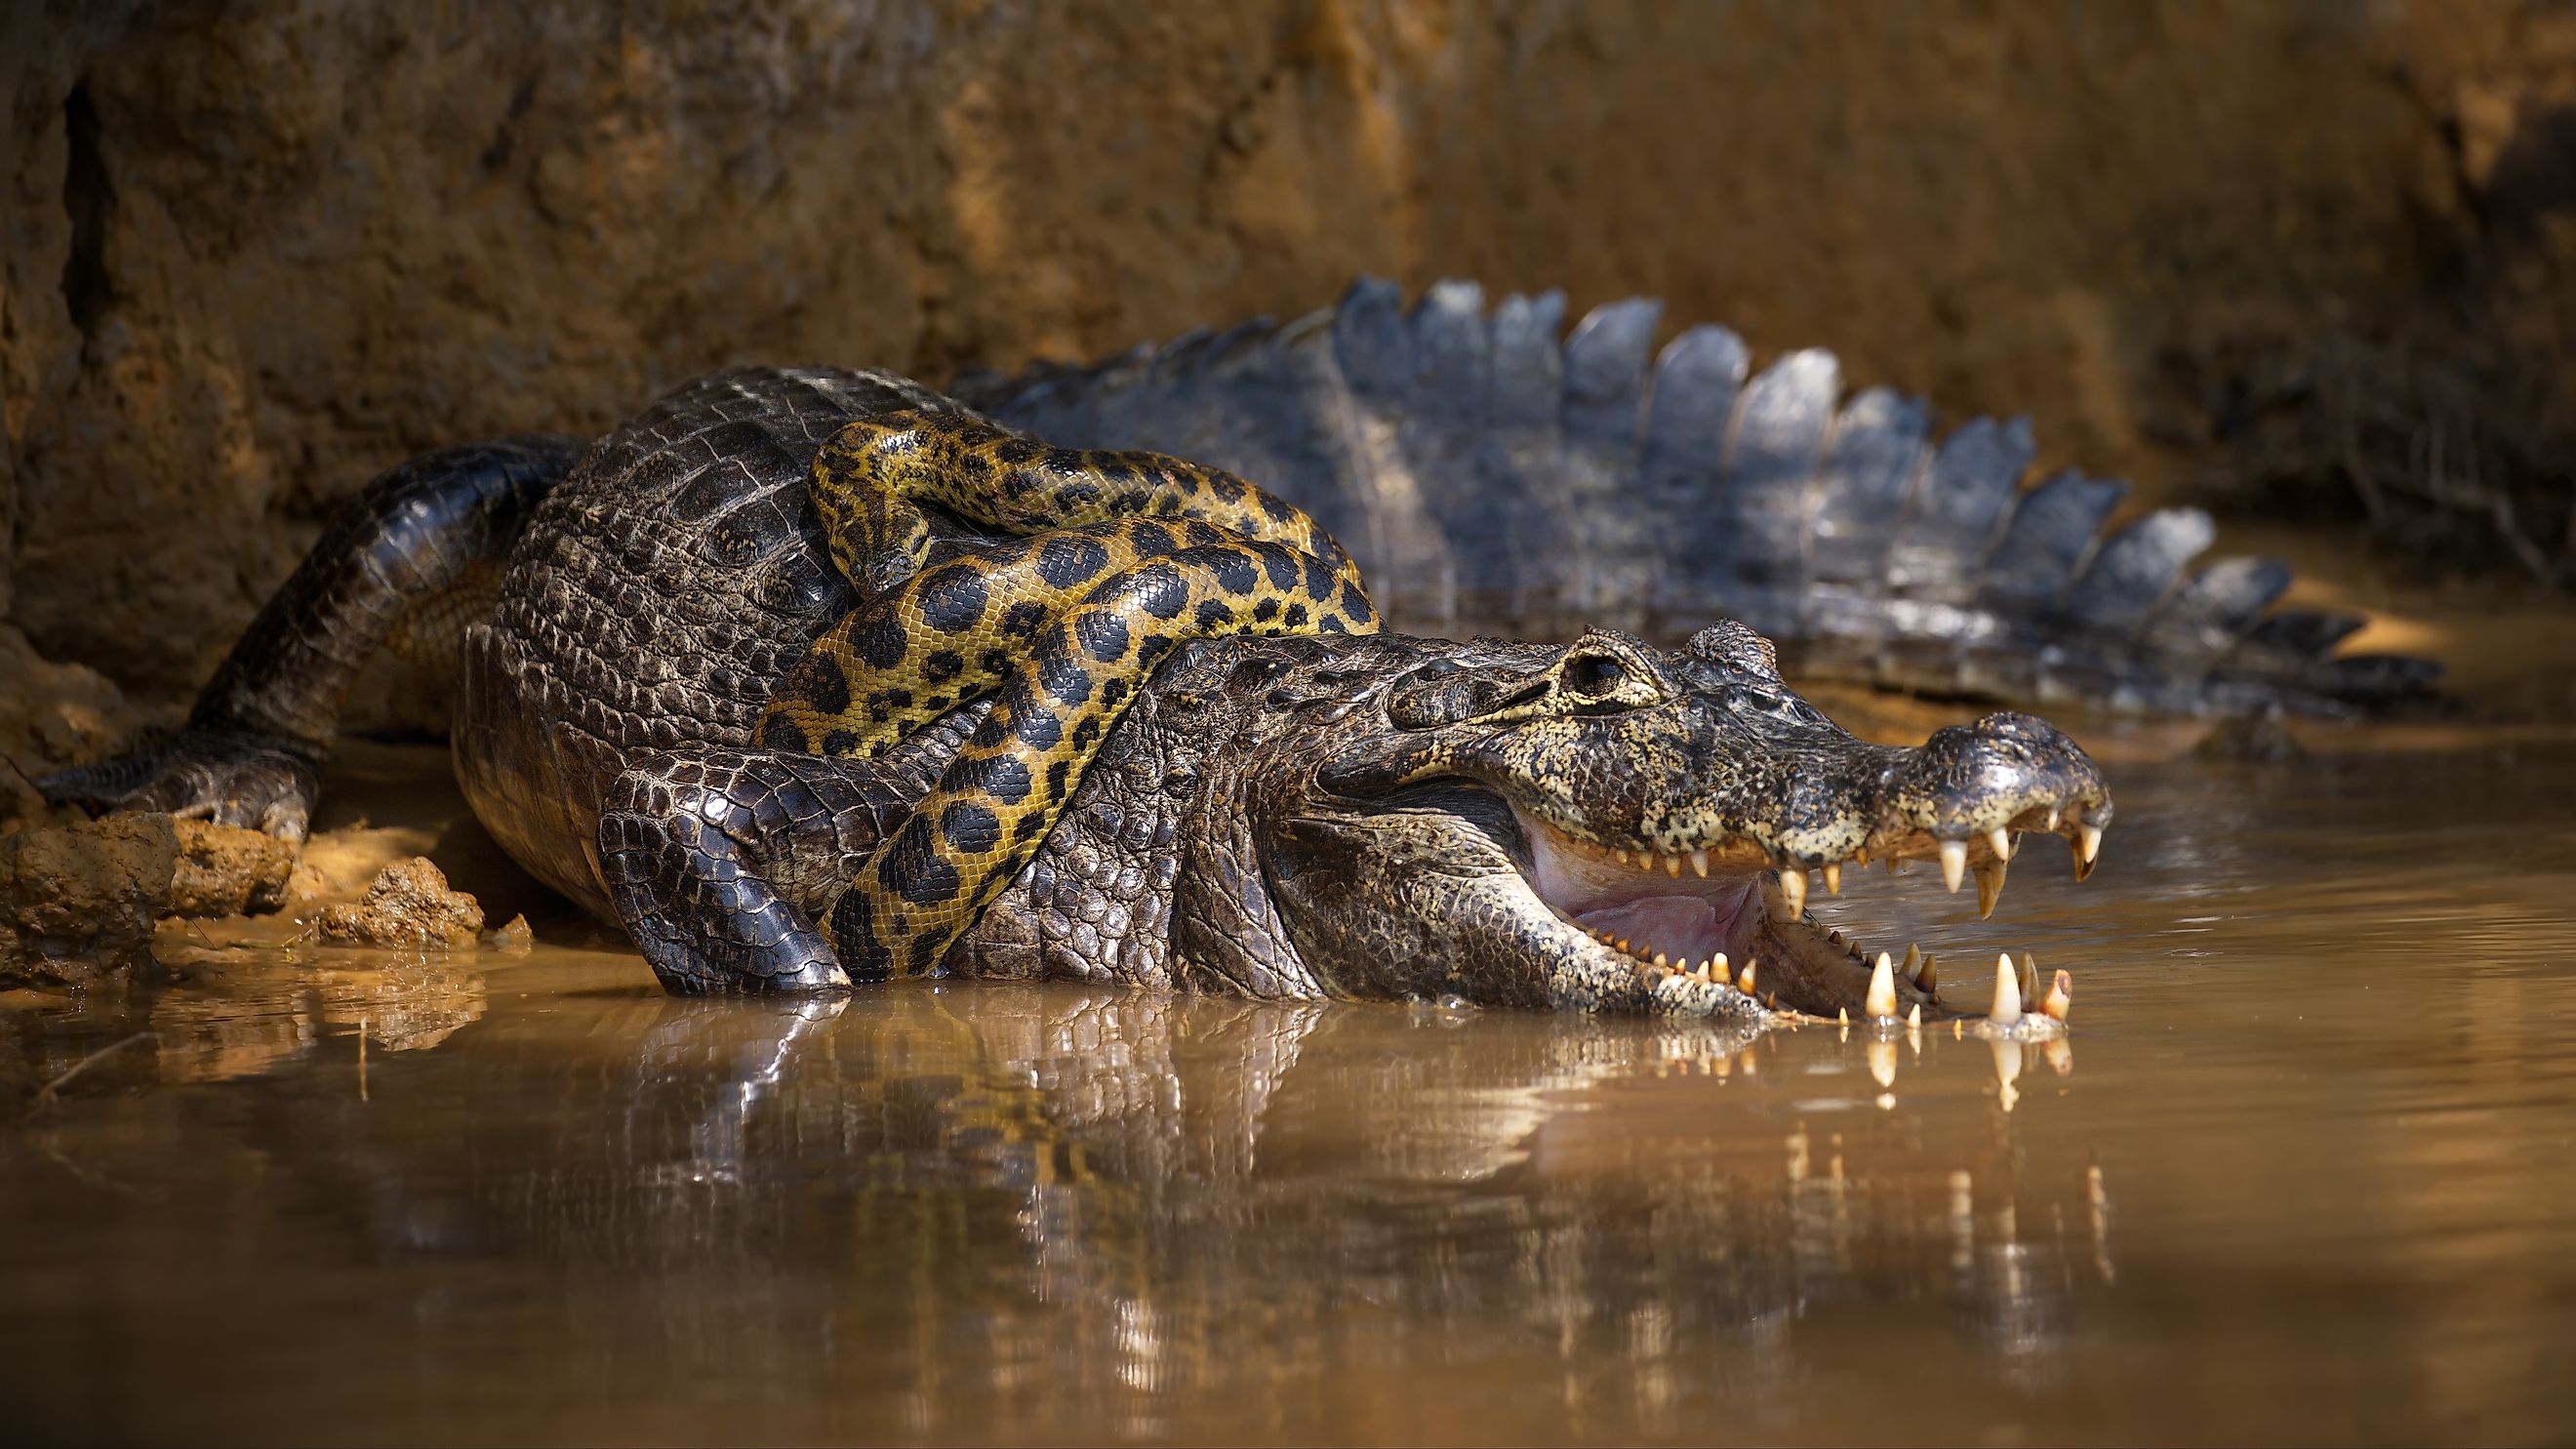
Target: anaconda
point(1603, 824)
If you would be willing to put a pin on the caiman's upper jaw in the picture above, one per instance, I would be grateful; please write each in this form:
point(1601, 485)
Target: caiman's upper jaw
point(1721, 912)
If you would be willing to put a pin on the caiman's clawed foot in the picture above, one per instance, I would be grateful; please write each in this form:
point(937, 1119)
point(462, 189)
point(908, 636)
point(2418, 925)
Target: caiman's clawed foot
point(255, 781)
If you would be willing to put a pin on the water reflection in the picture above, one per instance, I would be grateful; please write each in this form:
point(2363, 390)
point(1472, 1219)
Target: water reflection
point(999, 1209)
point(534, 1199)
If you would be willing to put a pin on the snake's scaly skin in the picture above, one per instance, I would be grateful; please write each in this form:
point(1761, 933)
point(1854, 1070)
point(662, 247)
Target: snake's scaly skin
point(1126, 555)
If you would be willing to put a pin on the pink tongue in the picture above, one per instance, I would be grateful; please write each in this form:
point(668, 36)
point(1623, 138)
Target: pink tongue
point(1681, 926)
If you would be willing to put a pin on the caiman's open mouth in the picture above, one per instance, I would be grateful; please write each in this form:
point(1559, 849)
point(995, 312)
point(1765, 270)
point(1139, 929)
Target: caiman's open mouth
point(1723, 913)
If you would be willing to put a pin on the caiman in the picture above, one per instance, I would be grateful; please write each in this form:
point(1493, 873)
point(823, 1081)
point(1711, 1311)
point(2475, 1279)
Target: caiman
point(811, 677)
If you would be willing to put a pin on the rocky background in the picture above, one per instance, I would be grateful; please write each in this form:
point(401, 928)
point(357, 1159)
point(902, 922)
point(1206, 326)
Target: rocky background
point(2289, 254)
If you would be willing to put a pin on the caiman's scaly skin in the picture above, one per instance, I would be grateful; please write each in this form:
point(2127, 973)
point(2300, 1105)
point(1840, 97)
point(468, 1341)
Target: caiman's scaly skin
point(1593, 825)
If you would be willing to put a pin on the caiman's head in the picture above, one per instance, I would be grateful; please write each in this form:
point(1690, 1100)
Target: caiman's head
point(1609, 824)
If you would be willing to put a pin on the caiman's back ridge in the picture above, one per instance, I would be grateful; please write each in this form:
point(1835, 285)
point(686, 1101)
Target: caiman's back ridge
point(671, 714)
point(1490, 470)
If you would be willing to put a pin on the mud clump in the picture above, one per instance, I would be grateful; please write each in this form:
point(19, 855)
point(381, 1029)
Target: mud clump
point(409, 906)
point(514, 939)
point(225, 870)
point(77, 901)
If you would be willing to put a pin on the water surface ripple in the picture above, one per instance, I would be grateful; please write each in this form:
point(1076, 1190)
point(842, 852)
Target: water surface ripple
point(2304, 1173)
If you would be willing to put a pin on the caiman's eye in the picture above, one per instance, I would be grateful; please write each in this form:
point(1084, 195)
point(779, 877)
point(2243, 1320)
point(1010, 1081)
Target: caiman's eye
point(1595, 675)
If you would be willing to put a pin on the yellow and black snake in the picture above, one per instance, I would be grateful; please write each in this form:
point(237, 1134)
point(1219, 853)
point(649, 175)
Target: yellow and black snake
point(1121, 556)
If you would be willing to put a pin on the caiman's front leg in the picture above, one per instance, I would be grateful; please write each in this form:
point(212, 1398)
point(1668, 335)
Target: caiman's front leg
point(722, 863)
point(775, 870)
point(719, 862)
point(410, 543)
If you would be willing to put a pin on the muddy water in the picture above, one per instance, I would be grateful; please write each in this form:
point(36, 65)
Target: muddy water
point(2306, 1173)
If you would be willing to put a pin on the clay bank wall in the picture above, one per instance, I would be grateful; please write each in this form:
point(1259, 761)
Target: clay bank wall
point(252, 251)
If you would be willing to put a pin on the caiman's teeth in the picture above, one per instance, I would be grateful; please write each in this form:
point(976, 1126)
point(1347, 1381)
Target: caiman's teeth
point(1793, 892)
point(2061, 996)
point(2029, 976)
point(2007, 1007)
point(1744, 983)
point(1990, 887)
point(2090, 843)
point(1673, 866)
point(1699, 863)
point(1663, 961)
point(1999, 840)
point(2051, 826)
point(1954, 864)
point(1914, 1020)
point(1882, 989)
point(1834, 879)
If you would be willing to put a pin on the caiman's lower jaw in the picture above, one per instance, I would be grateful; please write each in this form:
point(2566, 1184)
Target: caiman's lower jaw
point(1715, 914)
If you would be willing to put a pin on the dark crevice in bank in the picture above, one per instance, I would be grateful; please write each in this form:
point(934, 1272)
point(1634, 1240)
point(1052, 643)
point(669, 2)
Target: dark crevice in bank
point(88, 198)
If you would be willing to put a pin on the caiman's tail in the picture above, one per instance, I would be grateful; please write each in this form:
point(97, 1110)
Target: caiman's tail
point(1488, 471)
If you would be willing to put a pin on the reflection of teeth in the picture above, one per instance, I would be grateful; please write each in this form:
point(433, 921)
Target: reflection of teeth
point(1990, 887)
point(2007, 1007)
point(1954, 864)
point(1882, 988)
point(1882, 1063)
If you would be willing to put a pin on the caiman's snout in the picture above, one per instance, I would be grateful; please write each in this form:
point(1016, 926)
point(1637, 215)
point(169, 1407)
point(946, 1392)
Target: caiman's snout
point(1667, 812)
point(1965, 794)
